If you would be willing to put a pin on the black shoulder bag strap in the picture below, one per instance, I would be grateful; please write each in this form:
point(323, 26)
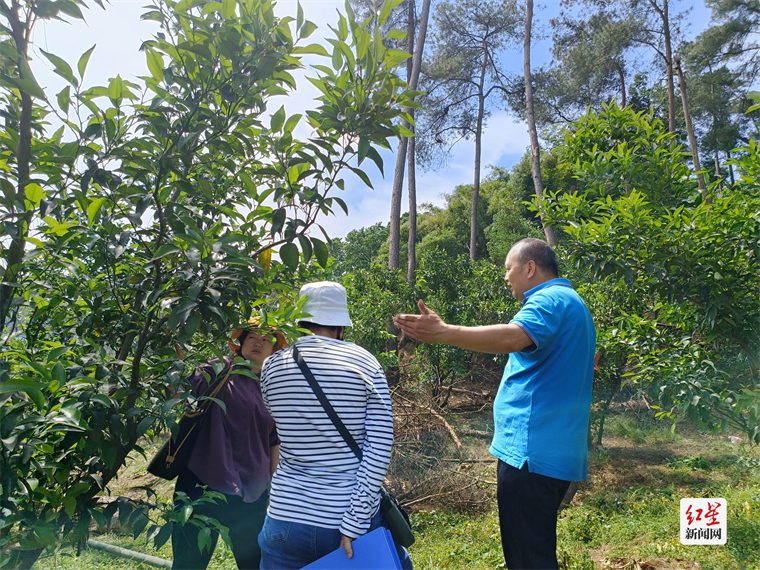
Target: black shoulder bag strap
point(316, 388)
point(397, 518)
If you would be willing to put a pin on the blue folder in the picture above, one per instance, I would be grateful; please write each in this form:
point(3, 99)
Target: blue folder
point(373, 551)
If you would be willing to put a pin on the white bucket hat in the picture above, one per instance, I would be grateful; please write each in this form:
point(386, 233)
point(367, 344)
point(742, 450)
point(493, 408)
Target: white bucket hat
point(327, 303)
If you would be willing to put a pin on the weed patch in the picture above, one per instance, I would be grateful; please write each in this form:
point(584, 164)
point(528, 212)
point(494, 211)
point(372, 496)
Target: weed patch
point(624, 517)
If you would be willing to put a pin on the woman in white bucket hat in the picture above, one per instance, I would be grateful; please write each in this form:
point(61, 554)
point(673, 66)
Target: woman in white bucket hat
point(323, 496)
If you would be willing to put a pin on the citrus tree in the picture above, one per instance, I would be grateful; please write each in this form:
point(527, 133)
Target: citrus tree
point(689, 268)
point(142, 230)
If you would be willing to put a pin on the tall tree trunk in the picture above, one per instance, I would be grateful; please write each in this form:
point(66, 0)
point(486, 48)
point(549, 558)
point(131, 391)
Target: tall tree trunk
point(730, 167)
point(665, 17)
point(718, 174)
point(535, 156)
point(690, 130)
point(622, 86)
point(394, 237)
point(412, 244)
point(15, 256)
point(411, 265)
point(398, 175)
point(478, 137)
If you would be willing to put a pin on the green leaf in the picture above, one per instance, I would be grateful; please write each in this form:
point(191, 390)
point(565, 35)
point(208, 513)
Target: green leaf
point(278, 220)
point(278, 120)
point(374, 156)
point(289, 256)
point(34, 193)
point(45, 535)
point(321, 251)
point(144, 424)
point(291, 123)
point(209, 7)
point(64, 99)
point(139, 524)
point(27, 83)
point(337, 59)
point(402, 130)
point(385, 12)
point(99, 517)
point(204, 539)
point(363, 175)
point(116, 89)
point(316, 49)
point(94, 209)
point(69, 505)
point(206, 188)
point(342, 28)
point(8, 189)
point(163, 535)
point(154, 15)
point(19, 385)
point(341, 203)
point(82, 63)
point(307, 29)
point(299, 15)
point(228, 8)
point(306, 247)
point(194, 289)
point(70, 8)
point(200, 49)
point(59, 373)
point(61, 67)
point(364, 147)
point(29, 387)
point(56, 353)
point(155, 64)
point(164, 250)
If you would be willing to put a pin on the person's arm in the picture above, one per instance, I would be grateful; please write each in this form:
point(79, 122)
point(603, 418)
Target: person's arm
point(376, 455)
point(494, 339)
point(274, 459)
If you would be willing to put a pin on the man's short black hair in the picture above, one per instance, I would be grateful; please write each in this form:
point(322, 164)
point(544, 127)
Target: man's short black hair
point(311, 326)
point(538, 251)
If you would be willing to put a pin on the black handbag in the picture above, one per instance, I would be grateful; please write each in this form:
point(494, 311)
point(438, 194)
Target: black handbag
point(174, 455)
point(397, 517)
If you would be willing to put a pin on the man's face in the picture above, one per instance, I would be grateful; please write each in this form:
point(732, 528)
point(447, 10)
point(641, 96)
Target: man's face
point(517, 276)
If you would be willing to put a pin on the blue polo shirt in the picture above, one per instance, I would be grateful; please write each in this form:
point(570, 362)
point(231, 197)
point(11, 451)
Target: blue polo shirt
point(541, 411)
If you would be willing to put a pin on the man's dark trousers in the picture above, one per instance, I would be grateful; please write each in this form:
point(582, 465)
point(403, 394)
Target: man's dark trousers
point(528, 504)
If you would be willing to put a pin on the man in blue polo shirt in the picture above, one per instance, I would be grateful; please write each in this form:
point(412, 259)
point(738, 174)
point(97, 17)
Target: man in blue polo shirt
point(541, 411)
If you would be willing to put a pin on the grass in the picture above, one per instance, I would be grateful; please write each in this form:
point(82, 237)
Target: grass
point(625, 516)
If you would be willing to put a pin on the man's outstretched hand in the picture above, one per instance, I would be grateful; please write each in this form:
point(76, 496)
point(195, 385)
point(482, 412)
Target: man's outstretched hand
point(426, 327)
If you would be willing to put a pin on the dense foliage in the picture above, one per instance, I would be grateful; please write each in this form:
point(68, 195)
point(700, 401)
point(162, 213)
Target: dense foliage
point(689, 266)
point(670, 279)
point(145, 226)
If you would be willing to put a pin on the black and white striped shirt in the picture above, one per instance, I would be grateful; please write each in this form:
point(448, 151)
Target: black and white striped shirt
point(319, 480)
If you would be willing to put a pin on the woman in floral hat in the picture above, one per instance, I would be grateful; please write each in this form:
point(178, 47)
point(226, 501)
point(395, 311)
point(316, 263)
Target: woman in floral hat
point(236, 452)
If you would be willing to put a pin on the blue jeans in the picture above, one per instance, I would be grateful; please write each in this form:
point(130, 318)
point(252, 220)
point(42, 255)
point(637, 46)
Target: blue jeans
point(292, 545)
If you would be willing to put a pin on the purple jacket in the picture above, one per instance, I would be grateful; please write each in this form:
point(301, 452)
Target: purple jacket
point(233, 451)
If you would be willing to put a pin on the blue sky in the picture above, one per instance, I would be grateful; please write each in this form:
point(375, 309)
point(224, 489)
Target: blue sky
point(118, 33)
